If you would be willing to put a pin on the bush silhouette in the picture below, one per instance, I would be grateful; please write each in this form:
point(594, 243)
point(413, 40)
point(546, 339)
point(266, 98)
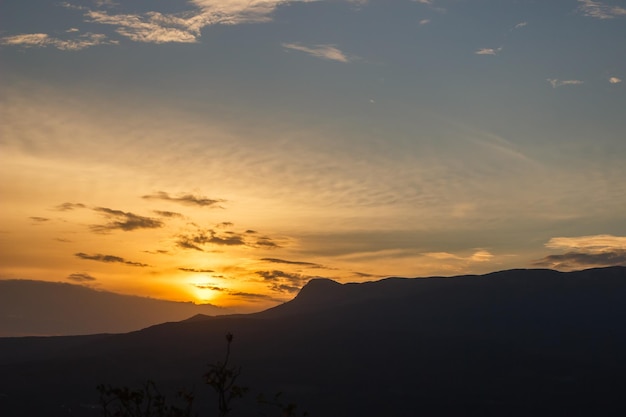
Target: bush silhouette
point(147, 401)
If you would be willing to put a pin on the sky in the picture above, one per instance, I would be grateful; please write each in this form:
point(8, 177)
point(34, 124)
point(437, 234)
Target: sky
point(228, 151)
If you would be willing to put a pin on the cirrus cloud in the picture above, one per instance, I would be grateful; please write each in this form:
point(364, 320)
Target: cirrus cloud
point(328, 52)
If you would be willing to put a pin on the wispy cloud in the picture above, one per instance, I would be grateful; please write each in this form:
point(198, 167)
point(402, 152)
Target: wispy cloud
point(424, 21)
point(196, 270)
point(108, 259)
point(520, 25)
point(152, 27)
point(42, 40)
point(478, 256)
point(168, 214)
point(37, 219)
point(201, 237)
point(577, 260)
point(283, 261)
point(121, 220)
point(488, 51)
point(431, 4)
point(69, 206)
point(187, 199)
point(615, 80)
point(585, 251)
point(329, 52)
point(81, 277)
point(589, 243)
point(555, 82)
point(600, 10)
point(280, 281)
point(183, 27)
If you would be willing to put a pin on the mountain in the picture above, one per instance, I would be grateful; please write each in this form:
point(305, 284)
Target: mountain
point(514, 343)
point(50, 308)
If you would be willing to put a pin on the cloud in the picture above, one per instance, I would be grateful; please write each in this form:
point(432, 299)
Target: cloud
point(585, 251)
point(615, 80)
point(108, 259)
point(478, 256)
point(488, 51)
point(204, 237)
point(68, 206)
point(424, 21)
point(329, 52)
point(578, 260)
point(42, 40)
point(209, 287)
point(183, 27)
point(153, 27)
point(520, 25)
point(196, 270)
point(555, 82)
point(599, 10)
point(187, 199)
point(253, 296)
point(431, 4)
point(39, 219)
point(283, 261)
point(169, 214)
point(201, 237)
point(81, 277)
point(125, 221)
point(589, 243)
point(281, 281)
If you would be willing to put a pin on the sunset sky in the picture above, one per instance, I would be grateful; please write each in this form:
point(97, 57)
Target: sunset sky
point(228, 151)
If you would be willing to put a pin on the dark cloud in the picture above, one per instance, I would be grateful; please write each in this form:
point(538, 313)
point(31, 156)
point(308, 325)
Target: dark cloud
point(58, 239)
point(267, 242)
point(224, 225)
point(160, 252)
point(121, 220)
point(231, 240)
point(209, 287)
point(203, 237)
point(283, 261)
point(187, 199)
point(185, 243)
point(577, 260)
point(39, 219)
point(364, 275)
point(253, 296)
point(281, 281)
point(195, 270)
point(170, 214)
point(81, 277)
point(69, 206)
point(108, 259)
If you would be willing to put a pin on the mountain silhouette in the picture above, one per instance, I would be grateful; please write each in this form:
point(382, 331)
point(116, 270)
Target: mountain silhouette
point(514, 343)
point(52, 308)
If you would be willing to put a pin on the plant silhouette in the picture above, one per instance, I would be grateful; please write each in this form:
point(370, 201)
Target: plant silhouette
point(147, 401)
point(222, 378)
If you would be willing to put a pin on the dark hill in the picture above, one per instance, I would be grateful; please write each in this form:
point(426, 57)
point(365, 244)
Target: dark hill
point(51, 308)
point(514, 343)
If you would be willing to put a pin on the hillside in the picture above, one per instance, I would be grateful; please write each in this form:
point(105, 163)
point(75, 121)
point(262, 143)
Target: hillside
point(41, 308)
point(514, 343)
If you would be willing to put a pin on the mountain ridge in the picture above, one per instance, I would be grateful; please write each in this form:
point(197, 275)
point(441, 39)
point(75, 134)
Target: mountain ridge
point(515, 343)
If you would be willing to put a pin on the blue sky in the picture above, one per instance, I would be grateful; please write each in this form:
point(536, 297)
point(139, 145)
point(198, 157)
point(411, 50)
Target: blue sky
point(270, 142)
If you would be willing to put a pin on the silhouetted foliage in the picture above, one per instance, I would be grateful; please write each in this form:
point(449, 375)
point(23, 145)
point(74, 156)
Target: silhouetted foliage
point(147, 401)
point(222, 378)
